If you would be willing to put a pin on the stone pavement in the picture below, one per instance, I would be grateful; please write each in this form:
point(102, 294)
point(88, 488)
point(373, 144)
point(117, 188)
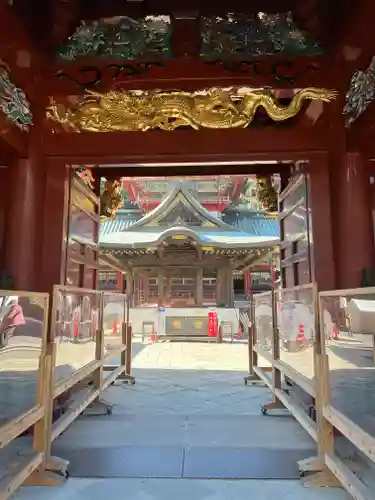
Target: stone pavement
point(192, 395)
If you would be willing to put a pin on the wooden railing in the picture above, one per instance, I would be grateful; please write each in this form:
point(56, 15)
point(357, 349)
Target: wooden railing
point(52, 368)
point(316, 353)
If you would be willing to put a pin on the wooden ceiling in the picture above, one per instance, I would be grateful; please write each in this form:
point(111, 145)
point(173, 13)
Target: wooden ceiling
point(50, 22)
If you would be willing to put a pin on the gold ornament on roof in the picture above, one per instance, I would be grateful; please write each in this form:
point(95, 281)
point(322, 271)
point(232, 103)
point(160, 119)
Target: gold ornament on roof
point(267, 193)
point(111, 199)
point(214, 109)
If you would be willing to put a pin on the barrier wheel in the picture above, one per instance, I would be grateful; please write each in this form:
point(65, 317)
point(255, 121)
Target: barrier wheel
point(264, 410)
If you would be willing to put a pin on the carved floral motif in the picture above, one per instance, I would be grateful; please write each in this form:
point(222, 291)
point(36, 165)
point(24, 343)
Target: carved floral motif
point(119, 38)
point(262, 34)
point(361, 93)
point(13, 101)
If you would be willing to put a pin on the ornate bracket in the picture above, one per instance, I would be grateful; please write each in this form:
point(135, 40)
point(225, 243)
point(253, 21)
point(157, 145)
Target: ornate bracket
point(13, 101)
point(361, 93)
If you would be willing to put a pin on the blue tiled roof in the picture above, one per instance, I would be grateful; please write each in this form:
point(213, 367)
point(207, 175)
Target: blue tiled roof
point(253, 223)
point(123, 220)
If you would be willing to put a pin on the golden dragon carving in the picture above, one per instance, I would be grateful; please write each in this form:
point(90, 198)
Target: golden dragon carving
point(214, 109)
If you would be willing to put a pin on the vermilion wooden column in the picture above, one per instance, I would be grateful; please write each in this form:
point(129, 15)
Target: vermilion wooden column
point(4, 203)
point(354, 247)
point(320, 223)
point(55, 222)
point(25, 221)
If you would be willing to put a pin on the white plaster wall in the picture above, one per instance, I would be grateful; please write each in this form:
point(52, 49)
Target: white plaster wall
point(139, 315)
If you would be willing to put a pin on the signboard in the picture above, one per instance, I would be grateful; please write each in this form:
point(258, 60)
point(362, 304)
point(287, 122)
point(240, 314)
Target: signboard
point(212, 324)
point(186, 325)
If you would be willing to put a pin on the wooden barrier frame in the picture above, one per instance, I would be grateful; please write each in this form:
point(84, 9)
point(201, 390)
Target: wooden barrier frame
point(282, 400)
point(116, 371)
point(256, 374)
point(264, 373)
point(26, 468)
point(332, 418)
point(329, 469)
point(39, 467)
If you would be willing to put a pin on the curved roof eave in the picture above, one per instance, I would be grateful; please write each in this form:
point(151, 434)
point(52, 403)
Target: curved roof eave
point(244, 241)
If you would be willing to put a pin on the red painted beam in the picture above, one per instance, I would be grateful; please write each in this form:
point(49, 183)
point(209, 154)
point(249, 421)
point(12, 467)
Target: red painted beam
point(188, 74)
point(97, 8)
point(276, 143)
point(13, 136)
point(18, 52)
point(356, 42)
point(193, 170)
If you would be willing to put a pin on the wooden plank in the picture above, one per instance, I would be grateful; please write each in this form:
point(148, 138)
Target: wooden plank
point(80, 402)
point(114, 352)
point(305, 384)
point(18, 474)
point(13, 429)
point(117, 372)
point(79, 375)
point(263, 375)
point(351, 291)
point(298, 414)
point(360, 438)
point(357, 489)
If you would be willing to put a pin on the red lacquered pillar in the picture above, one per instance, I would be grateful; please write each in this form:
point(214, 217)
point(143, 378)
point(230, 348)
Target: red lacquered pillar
point(320, 223)
point(354, 245)
point(55, 222)
point(25, 216)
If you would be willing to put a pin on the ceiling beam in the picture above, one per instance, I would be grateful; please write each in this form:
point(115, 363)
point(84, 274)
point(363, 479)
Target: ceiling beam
point(96, 9)
point(188, 74)
point(26, 63)
point(275, 143)
point(193, 170)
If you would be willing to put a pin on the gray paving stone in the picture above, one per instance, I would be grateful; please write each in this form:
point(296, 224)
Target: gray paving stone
point(195, 392)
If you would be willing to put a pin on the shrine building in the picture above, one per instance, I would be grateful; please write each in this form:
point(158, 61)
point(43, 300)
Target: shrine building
point(132, 136)
point(182, 254)
point(128, 86)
